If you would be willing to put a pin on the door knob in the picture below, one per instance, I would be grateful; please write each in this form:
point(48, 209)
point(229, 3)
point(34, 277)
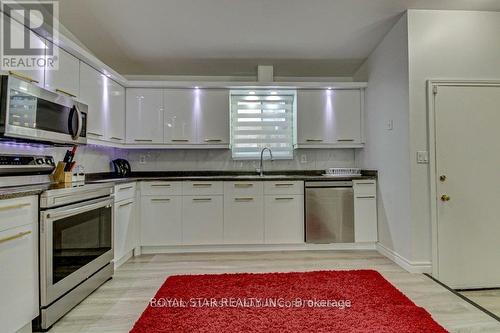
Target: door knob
point(442, 178)
point(445, 197)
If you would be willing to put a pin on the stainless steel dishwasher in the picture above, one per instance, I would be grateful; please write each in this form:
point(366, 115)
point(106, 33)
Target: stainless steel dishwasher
point(329, 212)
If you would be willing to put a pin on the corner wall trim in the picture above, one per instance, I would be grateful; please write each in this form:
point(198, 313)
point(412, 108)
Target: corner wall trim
point(410, 266)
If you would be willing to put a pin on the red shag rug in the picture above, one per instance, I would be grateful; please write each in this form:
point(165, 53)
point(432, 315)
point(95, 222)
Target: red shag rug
point(325, 301)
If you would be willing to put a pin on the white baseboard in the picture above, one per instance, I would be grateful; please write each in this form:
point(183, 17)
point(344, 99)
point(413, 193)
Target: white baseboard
point(123, 259)
point(255, 248)
point(410, 266)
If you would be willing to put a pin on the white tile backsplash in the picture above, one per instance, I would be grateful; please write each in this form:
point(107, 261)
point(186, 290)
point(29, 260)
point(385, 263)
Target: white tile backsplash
point(220, 159)
point(93, 158)
point(98, 158)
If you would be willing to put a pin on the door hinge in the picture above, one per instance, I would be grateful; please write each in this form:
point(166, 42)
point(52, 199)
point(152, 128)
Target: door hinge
point(435, 90)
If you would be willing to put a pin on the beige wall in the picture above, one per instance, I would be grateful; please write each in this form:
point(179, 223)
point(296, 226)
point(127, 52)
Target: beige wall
point(442, 45)
point(388, 150)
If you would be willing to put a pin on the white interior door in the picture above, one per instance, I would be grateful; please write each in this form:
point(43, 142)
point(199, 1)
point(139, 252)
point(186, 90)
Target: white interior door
point(467, 120)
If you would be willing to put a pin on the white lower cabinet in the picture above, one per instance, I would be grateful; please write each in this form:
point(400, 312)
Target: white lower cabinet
point(243, 219)
point(284, 219)
point(18, 263)
point(124, 232)
point(161, 220)
point(365, 211)
point(202, 220)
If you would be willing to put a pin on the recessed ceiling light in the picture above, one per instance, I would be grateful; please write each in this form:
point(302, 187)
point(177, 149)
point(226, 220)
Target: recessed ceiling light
point(274, 93)
point(196, 87)
point(329, 88)
point(251, 92)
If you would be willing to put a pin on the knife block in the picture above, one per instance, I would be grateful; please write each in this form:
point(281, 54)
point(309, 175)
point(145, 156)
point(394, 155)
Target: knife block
point(61, 176)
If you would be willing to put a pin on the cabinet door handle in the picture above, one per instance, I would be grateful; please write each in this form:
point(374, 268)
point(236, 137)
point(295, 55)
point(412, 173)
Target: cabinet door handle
point(345, 140)
point(143, 140)
point(65, 92)
point(160, 185)
point(202, 199)
point(116, 138)
point(180, 140)
point(243, 199)
point(202, 185)
point(96, 134)
point(314, 140)
point(23, 77)
point(126, 204)
point(4, 208)
point(365, 197)
point(19, 235)
point(160, 199)
point(282, 185)
point(365, 183)
point(125, 188)
point(243, 185)
point(213, 140)
point(282, 199)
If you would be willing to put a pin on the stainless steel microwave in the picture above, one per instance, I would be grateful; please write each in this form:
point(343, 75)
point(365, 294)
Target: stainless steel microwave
point(31, 113)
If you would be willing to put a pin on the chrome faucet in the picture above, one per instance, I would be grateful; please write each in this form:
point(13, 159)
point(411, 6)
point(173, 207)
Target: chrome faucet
point(261, 168)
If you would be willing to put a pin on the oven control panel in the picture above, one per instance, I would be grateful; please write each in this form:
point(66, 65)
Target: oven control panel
point(26, 164)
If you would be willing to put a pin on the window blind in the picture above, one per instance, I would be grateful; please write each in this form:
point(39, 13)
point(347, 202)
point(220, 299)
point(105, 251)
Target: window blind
point(262, 119)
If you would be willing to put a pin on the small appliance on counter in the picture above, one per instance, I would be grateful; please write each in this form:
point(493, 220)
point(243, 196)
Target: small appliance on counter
point(122, 168)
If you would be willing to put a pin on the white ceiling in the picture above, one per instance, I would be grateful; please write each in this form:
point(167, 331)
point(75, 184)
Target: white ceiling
point(230, 37)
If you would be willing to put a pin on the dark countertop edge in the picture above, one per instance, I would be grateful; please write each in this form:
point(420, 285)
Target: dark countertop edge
point(309, 175)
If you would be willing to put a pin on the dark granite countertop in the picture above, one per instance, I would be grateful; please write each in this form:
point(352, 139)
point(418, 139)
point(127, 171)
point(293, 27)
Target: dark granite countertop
point(310, 175)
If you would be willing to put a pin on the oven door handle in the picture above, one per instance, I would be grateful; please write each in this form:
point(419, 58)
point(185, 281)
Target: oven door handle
point(74, 211)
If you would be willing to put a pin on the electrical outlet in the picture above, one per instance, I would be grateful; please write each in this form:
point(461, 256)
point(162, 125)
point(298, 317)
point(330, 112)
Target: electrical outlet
point(142, 159)
point(422, 157)
point(303, 158)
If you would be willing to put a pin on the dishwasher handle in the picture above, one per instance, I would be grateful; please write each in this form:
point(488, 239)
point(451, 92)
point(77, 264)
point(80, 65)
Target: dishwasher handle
point(324, 184)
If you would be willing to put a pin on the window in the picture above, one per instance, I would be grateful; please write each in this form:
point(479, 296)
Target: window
point(262, 118)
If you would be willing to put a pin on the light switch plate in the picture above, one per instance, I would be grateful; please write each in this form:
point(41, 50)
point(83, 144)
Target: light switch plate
point(142, 159)
point(303, 158)
point(422, 157)
point(389, 125)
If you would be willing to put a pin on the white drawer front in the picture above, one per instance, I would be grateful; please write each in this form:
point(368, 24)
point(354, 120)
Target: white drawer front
point(243, 188)
point(284, 187)
point(161, 188)
point(364, 187)
point(18, 212)
point(201, 188)
point(125, 191)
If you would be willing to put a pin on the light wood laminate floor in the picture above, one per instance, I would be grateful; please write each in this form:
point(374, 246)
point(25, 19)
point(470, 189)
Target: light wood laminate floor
point(119, 302)
point(488, 299)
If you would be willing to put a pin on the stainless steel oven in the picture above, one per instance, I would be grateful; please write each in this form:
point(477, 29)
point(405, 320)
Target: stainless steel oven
point(76, 246)
point(28, 112)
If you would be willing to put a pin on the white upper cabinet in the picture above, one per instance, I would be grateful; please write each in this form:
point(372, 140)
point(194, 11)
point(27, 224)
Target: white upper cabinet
point(35, 76)
point(116, 125)
point(92, 88)
point(212, 122)
point(144, 116)
point(329, 118)
point(182, 107)
point(65, 79)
